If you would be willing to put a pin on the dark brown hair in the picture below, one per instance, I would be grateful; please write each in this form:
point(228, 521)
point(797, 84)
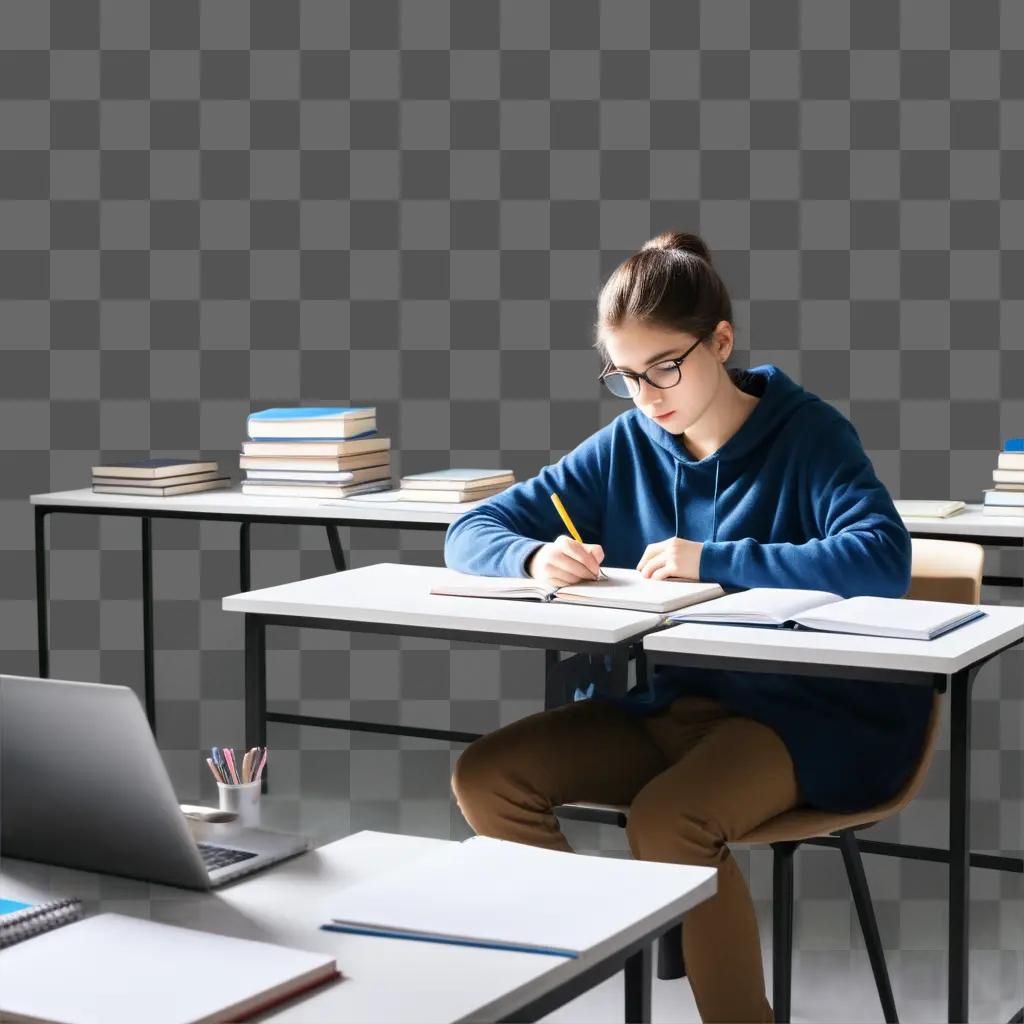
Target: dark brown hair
point(669, 282)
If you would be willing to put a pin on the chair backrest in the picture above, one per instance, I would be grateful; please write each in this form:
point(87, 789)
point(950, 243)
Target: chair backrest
point(941, 570)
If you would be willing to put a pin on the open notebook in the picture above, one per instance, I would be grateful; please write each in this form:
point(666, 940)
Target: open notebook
point(624, 588)
point(819, 609)
point(504, 895)
point(123, 970)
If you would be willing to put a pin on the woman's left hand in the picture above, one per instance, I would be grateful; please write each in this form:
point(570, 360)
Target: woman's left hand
point(672, 558)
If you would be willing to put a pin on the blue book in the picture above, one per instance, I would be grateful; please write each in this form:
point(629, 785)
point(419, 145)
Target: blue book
point(1014, 444)
point(312, 423)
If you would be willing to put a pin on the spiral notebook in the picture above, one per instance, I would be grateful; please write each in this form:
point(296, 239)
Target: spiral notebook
point(20, 921)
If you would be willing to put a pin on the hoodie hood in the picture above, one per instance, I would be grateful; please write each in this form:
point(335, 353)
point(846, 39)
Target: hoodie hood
point(779, 398)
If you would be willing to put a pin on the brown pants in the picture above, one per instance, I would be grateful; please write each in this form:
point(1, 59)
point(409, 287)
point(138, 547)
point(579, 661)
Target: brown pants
point(695, 776)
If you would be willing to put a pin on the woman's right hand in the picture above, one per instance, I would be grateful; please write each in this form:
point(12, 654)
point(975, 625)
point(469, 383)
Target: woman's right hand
point(565, 561)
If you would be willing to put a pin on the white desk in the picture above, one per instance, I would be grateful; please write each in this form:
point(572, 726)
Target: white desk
point(971, 523)
point(949, 662)
point(396, 599)
point(228, 505)
point(386, 980)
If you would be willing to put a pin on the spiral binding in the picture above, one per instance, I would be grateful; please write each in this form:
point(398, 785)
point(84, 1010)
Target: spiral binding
point(32, 921)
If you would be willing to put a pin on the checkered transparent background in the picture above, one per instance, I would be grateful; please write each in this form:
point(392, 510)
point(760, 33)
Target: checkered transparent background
point(211, 206)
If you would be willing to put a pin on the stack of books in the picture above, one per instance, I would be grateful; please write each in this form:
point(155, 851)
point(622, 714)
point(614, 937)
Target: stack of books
point(1007, 497)
point(313, 452)
point(159, 478)
point(454, 486)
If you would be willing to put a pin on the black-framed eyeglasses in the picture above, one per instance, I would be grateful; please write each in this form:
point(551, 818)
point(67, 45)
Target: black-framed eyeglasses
point(626, 384)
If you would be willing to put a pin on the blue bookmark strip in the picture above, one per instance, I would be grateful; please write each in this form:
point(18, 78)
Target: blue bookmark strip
point(384, 933)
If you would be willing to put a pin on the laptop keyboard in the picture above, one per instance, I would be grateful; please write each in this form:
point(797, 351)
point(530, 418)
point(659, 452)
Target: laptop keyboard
point(220, 856)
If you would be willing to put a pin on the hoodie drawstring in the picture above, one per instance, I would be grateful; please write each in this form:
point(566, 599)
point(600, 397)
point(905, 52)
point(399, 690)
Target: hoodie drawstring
point(714, 504)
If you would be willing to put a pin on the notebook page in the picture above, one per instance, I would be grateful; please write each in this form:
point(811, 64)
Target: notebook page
point(889, 616)
point(760, 605)
point(631, 589)
point(493, 586)
point(113, 969)
point(498, 891)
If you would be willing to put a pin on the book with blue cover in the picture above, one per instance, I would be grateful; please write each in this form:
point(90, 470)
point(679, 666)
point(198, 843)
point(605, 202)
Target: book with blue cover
point(321, 423)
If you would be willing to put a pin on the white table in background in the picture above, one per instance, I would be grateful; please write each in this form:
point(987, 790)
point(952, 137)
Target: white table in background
point(227, 505)
point(974, 526)
point(947, 663)
point(386, 980)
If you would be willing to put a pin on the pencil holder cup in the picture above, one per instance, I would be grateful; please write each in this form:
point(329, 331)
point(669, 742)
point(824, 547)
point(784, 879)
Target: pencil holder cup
point(244, 800)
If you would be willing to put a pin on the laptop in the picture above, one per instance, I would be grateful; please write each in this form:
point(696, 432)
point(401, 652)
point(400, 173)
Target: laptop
point(83, 785)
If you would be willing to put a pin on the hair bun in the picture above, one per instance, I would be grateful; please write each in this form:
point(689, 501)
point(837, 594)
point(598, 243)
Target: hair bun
point(680, 241)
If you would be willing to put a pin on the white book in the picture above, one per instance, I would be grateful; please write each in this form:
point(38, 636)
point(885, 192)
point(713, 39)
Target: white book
point(289, 490)
point(1013, 499)
point(822, 610)
point(1010, 460)
point(1008, 476)
point(492, 892)
point(624, 588)
point(305, 476)
point(1002, 510)
point(923, 509)
point(450, 497)
point(460, 479)
point(316, 449)
point(113, 969)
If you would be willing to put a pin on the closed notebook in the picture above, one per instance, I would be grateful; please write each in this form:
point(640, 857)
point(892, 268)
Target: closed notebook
point(624, 588)
point(292, 490)
point(113, 969)
point(317, 449)
point(821, 610)
point(496, 893)
point(167, 491)
point(928, 509)
point(460, 479)
point(447, 497)
point(154, 469)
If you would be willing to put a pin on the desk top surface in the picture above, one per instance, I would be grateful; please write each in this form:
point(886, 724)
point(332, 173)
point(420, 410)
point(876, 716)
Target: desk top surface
point(1000, 627)
point(380, 507)
point(389, 980)
point(400, 595)
point(383, 508)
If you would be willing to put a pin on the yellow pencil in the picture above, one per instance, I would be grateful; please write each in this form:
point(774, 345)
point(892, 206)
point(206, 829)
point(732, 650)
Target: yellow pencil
point(560, 509)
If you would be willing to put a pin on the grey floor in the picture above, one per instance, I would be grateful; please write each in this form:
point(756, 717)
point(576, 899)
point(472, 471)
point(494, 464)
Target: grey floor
point(832, 979)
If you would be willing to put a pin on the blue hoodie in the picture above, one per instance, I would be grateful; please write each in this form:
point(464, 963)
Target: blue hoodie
point(790, 500)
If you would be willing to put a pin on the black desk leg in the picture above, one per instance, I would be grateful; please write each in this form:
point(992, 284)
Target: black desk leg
point(42, 599)
point(337, 551)
point(256, 686)
point(959, 844)
point(148, 673)
point(638, 986)
point(244, 558)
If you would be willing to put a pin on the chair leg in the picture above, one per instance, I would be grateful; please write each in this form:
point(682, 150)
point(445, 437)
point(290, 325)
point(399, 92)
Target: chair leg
point(782, 929)
point(670, 954)
point(868, 922)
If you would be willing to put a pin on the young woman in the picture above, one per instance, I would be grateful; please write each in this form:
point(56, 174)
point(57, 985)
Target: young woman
point(738, 477)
